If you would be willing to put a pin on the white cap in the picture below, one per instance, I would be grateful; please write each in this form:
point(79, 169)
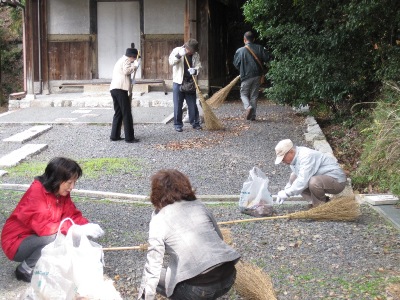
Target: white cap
point(281, 149)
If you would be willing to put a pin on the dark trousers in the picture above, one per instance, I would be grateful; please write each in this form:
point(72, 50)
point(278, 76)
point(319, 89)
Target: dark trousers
point(178, 98)
point(186, 291)
point(31, 248)
point(122, 113)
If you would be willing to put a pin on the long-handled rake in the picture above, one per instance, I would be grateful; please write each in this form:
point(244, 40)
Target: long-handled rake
point(210, 119)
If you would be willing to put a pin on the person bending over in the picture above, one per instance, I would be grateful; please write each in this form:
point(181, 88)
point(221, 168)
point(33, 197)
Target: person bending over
point(313, 173)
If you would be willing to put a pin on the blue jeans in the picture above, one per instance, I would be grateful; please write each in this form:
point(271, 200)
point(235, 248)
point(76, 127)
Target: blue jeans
point(185, 291)
point(178, 98)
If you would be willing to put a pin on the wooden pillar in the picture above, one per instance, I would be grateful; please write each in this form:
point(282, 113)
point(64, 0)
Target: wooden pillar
point(190, 20)
point(30, 81)
point(44, 55)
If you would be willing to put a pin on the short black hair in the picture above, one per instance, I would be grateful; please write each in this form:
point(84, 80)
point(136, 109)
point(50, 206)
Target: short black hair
point(249, 36)
point(59, 170)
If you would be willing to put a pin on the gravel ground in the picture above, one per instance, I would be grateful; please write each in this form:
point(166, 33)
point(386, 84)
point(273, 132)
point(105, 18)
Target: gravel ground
point(305, 259)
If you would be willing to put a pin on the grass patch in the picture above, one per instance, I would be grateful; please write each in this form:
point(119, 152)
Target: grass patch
point(92, 168)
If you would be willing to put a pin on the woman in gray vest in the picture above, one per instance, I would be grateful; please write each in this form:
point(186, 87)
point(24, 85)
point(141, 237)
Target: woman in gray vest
point(201, 265)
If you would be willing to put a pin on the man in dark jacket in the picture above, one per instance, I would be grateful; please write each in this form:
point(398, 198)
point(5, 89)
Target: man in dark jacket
point(249, 60)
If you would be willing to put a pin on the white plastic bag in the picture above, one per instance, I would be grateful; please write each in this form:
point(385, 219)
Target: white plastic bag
point(255, 198)
point(72, 265)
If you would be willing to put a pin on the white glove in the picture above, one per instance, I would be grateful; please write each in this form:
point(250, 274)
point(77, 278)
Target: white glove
point(136, 64)
point(182, 51)
point(192, 71)
point(282, 196)
point(91, 229)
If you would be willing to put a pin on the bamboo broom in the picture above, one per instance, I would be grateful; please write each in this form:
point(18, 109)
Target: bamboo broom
point(210, 119)
point(219, 97)
point(252, 283)
point(340, 209)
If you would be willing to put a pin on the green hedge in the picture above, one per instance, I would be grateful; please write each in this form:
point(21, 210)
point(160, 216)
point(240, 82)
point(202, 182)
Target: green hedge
point(335, 52)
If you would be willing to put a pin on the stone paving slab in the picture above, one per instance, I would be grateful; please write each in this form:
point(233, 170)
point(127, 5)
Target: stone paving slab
point(14, 157)
point(381, 199)
point(29, 134)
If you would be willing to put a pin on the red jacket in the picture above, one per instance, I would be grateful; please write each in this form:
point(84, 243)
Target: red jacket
point(38, 212)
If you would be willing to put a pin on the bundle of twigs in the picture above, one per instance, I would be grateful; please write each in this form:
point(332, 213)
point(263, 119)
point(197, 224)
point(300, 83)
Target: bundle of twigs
point(339, 209)
point(252, 283)
point(210, 119)
point(219, 97)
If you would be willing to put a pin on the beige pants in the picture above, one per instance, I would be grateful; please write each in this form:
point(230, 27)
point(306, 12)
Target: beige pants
point(318, 186)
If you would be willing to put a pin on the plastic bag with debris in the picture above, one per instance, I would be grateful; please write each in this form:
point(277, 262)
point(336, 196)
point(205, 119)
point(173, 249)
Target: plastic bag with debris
point(255, 198)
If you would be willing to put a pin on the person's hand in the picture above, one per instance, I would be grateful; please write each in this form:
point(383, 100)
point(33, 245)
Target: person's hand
point(182, 51)
point(136, 64)
point(91, 229)
point(192, 71)
point(282, 196)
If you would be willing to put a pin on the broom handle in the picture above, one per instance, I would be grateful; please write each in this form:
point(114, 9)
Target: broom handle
point(140, 247)
point(252, 220)
point(194, 79)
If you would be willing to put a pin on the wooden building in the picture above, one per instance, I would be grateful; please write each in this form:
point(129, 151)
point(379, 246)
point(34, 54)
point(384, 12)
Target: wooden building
point(79, 41)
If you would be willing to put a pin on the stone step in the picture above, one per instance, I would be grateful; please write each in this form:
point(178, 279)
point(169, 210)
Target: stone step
point(15, 157)
point(29, 134)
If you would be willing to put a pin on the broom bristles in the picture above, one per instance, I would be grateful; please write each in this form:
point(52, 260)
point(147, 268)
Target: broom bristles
point(210, 119)
point(340, 209)
point(219, 97)
point(252, 283)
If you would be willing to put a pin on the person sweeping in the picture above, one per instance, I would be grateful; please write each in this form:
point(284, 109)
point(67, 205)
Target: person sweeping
point(313, 173)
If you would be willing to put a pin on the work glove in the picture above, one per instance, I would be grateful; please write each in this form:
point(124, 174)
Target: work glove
point(182, 51)
point(192, 71)
point(136, 64)
point(90, 229)
point(282, 196)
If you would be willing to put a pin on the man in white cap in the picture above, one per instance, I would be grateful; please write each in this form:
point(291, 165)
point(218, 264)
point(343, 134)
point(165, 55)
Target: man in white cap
point(313, 173)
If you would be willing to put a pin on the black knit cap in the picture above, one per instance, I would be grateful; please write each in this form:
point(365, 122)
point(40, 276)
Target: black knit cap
point(192, 45)
point(131, 52)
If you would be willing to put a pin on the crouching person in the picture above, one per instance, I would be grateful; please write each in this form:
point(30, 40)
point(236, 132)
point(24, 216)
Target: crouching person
point(35, 221)
point(201, 265)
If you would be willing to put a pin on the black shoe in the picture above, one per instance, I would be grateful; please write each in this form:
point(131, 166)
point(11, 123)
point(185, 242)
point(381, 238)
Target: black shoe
point(23, 276)
point(116, 140)
point(179, 129)
point(249, 112)
point(198, 127)
point(133, 141)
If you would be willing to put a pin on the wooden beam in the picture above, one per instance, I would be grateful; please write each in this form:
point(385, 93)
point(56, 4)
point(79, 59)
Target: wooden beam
point(44, 55)
point(30, 92)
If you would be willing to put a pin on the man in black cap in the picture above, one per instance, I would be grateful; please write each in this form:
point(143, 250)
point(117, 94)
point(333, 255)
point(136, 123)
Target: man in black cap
point(185, 62)
point(120, 85)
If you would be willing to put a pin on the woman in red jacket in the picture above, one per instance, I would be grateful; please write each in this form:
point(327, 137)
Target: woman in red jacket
point(34, 222)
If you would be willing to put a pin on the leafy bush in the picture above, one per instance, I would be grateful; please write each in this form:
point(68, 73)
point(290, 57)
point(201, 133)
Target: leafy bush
point(380, 160)
point(335, 52)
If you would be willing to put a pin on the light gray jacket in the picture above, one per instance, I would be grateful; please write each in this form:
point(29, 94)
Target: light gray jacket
point(178, 67)
point(188, 232)
point(121, 78)
point(309, 162)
